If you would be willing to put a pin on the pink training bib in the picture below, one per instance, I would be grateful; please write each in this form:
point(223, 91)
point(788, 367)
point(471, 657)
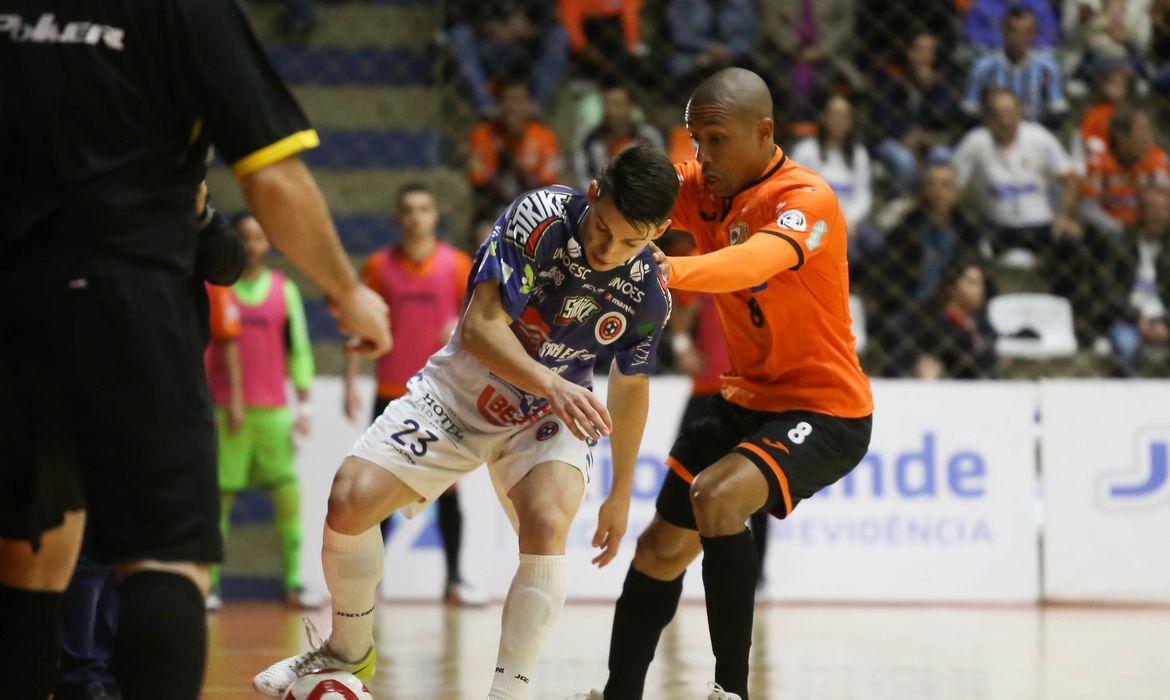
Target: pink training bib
point(421, 307)
point(263, 352)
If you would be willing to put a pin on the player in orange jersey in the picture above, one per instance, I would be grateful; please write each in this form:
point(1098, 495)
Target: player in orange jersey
point(795, 409)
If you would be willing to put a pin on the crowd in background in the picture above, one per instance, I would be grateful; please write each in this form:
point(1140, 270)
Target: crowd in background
point(959, 136)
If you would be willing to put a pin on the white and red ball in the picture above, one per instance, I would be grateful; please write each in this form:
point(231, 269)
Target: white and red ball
point(328, 685)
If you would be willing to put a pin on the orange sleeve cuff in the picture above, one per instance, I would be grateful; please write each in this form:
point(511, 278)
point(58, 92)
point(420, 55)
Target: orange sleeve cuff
point(736, 267)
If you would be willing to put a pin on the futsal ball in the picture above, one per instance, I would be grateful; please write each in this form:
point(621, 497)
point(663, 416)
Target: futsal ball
point(328, 685)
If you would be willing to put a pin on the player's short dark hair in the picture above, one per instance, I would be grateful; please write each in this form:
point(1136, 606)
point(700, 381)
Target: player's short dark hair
point(411, 188)
point(1016, 12)
point(642, 183)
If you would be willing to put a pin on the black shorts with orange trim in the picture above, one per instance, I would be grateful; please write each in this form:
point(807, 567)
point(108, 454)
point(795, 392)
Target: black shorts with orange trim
point(798, 452)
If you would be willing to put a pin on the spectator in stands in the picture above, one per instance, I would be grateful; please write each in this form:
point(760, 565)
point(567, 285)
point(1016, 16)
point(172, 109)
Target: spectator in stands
point(887, 29)
point(511, 154)
point(985, 18)
point(815, 43)
point(1135, 281)
point(836, 154)
point(1109, 199)
point(604, 37)
point(1113, 86)
point(1010, 167)
point(502, 40)
point(956, 341)
point(1034, 76)
point(1105, 30)
point(707, 36)
point(621, 126)
point(1156, 67)
point(914, 111)
point(917, 250)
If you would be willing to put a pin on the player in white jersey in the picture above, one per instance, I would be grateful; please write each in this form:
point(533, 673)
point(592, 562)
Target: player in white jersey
point(563, 273)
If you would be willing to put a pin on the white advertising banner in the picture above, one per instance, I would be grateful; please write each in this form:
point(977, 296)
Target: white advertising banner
point(1106, 464)
point(942, 509)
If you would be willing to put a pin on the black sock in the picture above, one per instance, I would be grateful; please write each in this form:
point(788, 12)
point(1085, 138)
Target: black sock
point(451, 527)
point(31, 642)
point(730, 570)
point(161, 645)
point(760, 523)
point(644, 609)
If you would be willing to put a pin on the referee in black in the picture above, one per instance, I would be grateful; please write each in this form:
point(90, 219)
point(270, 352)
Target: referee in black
point(106, 110)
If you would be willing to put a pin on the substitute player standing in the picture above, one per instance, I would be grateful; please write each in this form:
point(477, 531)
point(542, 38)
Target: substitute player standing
point(107, 110)
point(562, 274)
point(795, 410)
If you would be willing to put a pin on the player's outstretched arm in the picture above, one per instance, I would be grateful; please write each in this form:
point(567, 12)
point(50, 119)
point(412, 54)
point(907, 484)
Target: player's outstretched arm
point(733, 268)
point(487, 335)
point(289, 205)
point(629, 403)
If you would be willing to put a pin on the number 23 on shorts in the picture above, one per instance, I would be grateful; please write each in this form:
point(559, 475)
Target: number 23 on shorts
point(419, 447)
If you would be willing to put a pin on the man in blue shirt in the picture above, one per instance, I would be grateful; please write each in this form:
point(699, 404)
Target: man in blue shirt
point(1032, 75)
point(562, 274)
point(983, 20)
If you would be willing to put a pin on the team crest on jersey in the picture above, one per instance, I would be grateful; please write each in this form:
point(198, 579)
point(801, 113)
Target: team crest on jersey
point(609, 327)
point(738, 233)
point(638, 270)
point(574, 248)
point(819, 230)
point(532, 216)
point(577, 309)
point(793, 220)
point(547, 430)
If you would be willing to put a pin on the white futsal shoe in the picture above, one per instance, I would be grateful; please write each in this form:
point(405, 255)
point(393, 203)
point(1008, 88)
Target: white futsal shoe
point(718, 693)
point(275, 680)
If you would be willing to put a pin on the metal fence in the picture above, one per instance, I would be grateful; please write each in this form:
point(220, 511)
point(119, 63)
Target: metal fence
point(997, 160)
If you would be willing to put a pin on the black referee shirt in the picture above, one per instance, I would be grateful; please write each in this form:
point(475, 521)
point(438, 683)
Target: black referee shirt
point(107, 108)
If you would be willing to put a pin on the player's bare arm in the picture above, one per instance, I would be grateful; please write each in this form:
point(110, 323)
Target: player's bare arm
point(628, 400)
point(289, 205)
point(487, 335)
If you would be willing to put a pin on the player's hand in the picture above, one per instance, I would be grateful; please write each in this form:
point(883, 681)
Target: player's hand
point(304, 422)
point(661, 260)
point(581, 410)
point(235, 417)
point(363, 315)
point(612, 519)
point(352, 405)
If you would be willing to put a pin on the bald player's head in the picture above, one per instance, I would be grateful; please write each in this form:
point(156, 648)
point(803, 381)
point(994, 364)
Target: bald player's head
point(739, 91)
point(730, 119)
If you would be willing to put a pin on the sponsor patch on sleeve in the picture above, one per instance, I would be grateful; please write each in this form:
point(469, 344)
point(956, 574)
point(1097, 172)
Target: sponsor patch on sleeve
point(793, 220)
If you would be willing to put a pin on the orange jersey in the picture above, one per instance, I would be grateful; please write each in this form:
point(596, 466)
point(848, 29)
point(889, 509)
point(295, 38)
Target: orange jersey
point(1118, 187)
point(225, 313)
point(789, 338)
point(537, 153)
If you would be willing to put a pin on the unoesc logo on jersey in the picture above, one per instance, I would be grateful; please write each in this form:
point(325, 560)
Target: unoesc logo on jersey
point(1145, 481)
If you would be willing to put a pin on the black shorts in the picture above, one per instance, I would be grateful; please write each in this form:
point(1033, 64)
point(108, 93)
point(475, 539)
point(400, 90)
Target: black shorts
point(104, 406)
point(798, 452)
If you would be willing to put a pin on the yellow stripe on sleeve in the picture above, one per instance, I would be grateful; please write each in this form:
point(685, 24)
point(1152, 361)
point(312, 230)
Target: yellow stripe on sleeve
point(287, 146)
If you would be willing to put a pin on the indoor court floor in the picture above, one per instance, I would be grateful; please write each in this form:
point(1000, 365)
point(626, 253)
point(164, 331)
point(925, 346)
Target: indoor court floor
point(801, 652)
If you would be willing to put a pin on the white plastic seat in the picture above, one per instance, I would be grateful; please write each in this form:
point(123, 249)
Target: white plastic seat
point(1047, 320)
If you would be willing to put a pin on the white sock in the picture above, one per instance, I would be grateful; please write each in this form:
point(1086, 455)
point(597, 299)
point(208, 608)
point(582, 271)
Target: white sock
point(353, 565)
point(530, 612)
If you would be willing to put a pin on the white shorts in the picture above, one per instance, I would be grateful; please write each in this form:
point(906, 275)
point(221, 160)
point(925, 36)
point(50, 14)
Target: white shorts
point(412, 441)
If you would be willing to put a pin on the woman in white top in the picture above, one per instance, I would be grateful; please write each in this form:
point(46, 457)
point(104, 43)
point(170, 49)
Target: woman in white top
point(837, 155)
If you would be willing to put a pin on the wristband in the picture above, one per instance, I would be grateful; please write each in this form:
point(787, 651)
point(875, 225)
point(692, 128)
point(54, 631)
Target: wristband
point(681, 344)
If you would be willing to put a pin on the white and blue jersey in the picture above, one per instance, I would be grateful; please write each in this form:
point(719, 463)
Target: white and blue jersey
point(562, 311)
